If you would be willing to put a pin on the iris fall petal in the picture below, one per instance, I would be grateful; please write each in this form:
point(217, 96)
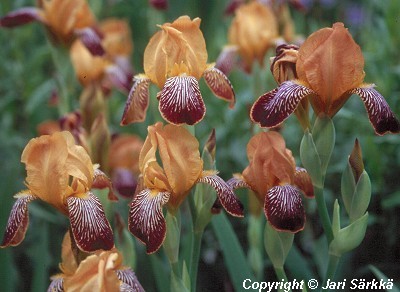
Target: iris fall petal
point(138, 101)
point(89, 224)
point(220, 85)
point(21, 16)
point(273, 107)
point(380, 115)
point(225, 194)
point(146, 220)
point(18, 221)
point(284, 208)
point(181, 101)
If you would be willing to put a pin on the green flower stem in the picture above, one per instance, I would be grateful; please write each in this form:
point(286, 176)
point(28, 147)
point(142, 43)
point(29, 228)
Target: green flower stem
point(63, 70)
point(331, 270)
point(194, 263)
point(281, 275)
point(323, 213)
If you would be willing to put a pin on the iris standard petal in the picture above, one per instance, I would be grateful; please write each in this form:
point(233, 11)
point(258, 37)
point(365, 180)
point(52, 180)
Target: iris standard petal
point(225, 194)
point(220, 85)
point(284, 208)
point(146, 220)
point(181, 101)
point(138, 101)
point(19, 219)
point(273, 107)
point(89, 224)
point(379, 113)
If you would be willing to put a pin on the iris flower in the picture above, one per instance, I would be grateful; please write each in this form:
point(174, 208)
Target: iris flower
point(61, 174)
point(100, 271)
point(276, 181)
point(330, 68)
point(168, 180)
point(113, 67)
point(65, 21)
point(253, 31)
point(175, 59)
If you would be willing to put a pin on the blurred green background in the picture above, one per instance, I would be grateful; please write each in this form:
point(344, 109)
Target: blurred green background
point(28, 78)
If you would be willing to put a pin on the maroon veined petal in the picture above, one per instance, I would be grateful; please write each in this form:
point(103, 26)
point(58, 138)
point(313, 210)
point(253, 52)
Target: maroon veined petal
point(303, 181)
point(20, 16)
point(380, 115)
point(225, 194)
point(138, 101)
point(181, 101)
point(89, 224)
point(227, 59)
point(236, 183)
point(146, 220)
point(128, 277)
point(273, 107)
point(91, 40)
point(220, 85)
point(284, 208)
point(120, 79)
point(19, 220)
point(102, 181)
point(57, 284)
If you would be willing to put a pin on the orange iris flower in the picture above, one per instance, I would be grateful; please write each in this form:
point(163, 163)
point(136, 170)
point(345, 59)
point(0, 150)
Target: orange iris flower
point(114, 66)
point(277, 182)
point(61, 174)
point(175, 59)
point(64, 19)
point(170, 183)
point(253, 31)
point(330, 68)
point(100, 271)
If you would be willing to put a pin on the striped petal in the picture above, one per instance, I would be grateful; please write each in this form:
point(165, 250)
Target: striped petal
point(284, 208)
point(91, 39)
point(20, 16)
point(220, 85)
point(379, 112)
point(273, 107)
point(236, 183)
point(225, 195)
point(57, 284)
point(303, 181)
point(138, 101)
point(128, 278)
point(90, 227)
point(146, 220)
point(181, 101)
point(19, 220)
